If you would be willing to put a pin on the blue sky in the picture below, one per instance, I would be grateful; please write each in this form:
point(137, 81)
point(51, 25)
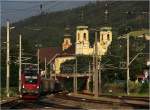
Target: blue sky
point(19, 10)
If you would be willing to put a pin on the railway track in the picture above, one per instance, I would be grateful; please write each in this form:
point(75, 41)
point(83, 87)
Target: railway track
point(121, 103)
point(45, 103)
point(146, 99)
point(10, 104)
point(34, 104)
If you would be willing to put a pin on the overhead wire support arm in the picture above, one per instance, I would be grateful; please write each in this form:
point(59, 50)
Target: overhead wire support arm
point(136, 57)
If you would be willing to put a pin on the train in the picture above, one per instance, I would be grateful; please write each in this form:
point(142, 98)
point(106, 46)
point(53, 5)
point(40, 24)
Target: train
point(33, 85)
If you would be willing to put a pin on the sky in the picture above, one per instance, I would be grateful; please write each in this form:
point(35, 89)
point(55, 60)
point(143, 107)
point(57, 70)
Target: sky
point(18, 10)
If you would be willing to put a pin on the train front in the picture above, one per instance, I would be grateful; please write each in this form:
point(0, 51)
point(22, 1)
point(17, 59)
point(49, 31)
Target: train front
point(30, 84)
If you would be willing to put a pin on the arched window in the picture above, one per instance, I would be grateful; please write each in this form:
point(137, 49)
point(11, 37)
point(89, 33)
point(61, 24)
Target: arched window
point(67, 42)
point(78, 36)
point(102, 36)
point(108, 38)
point(84, 36)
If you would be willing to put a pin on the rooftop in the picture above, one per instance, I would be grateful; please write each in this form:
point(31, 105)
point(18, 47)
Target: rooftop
point(105, 29)
point(48, 53)
point(82, 27)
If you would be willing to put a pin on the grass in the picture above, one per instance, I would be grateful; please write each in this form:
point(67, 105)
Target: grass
point(13, 92)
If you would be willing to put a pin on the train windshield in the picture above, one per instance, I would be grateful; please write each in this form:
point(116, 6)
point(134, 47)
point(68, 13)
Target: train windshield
point(30, 72)
point(31, 79)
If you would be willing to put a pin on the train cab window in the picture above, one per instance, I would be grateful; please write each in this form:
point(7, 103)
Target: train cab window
point(30, 72)
point(31, 79)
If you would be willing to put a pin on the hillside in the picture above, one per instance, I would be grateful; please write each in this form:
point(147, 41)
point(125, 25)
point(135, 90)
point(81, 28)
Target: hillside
point(48, 29)
point(51, 25)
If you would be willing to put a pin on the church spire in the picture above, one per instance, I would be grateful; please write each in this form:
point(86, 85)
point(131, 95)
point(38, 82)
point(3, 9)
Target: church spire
point(82, 17)
point(106, 14)
point(67, 39)
point(67, 31)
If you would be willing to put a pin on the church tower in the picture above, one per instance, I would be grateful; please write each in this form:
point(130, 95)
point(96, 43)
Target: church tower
point(105, 34)
point(105, 39)
point(82, 40)
point(67, 40)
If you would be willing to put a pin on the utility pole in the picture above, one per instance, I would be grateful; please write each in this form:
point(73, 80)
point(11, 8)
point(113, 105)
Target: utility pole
point(89, 78)
point(7, 61)
point(128, 64)
point(20, 63)
point(75, 77)
point(100, 82)
point(38, 56)
point(38, 60)
point(45, 68)
point(96, 68)
point(93, 69)
point(76, 80)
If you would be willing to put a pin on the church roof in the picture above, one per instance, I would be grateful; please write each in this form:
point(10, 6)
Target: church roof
point(82, 27)
point(49, 53)
point(69, 51)
point(105, 29)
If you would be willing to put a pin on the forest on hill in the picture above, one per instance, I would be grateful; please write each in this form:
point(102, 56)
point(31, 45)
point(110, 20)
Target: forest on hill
point(48, 29)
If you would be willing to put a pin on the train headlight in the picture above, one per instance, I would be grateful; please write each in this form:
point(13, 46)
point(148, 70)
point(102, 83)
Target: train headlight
point(23, 86)
point(37, 87)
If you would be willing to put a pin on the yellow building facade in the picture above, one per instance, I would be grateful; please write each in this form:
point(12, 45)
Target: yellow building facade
point(82, 45)
point(59, 61)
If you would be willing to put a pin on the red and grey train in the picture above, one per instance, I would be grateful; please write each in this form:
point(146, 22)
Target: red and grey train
point(33, 85)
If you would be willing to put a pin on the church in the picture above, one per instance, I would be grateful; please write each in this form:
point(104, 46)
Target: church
point(82, 46)
point(55, 56)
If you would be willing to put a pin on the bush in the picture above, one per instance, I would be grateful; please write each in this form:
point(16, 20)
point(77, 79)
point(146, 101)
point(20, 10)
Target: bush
point(114, 87)
point(13, 92)
point(134, 87)
point(68, 84)
point(144, 87)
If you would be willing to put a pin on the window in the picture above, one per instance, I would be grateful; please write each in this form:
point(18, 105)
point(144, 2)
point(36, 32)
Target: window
point(31, 72)
point(102, 36)
point(78, 36)
point(108, 38)
point(31, 79)
point(84, 36)
point(67, 42)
